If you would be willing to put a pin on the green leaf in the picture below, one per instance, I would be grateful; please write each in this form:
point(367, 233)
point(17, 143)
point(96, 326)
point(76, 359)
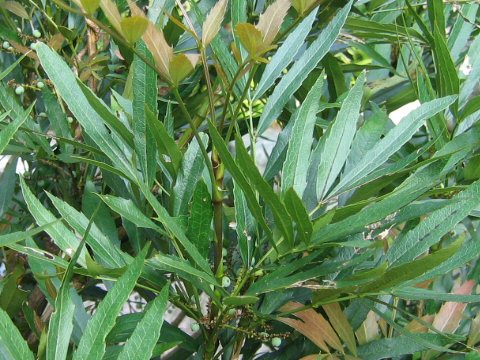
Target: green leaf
point(128, 210)
point(413, 293)
point(104, 250)
point(92, 344)
point(59, 233)
point(12, 344)
point(8, 179)
point(213, 21)
point(239, 176)
point(7, 133)
point(299, 214)
point(295, 167)
point(280, 214)
point(415, 242)
point(172, 226)
point(61, 323)
point(181, 267)
point(15, 237)
point(191, 170)
point(339, 138)
point(200, 219)
point(106, 114)
point(300, 70)
point(144, 97)
point(414, 186)
point(9, 69)
point(133, 28)
point(398, 346)
point(166, 145)
point(145, 336)
point(93, 124)
point(392, 142)
point(284, 55)
point(399, 274)
point(245, 225)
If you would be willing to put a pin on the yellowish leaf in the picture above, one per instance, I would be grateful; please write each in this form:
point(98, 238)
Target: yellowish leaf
point(133, 28)
point(449, 316)
point(250, 38)
point(212, 23)
point(271, 20)
point(180, 67)
point(90, 6)
point(302, 6)
point(111, 12)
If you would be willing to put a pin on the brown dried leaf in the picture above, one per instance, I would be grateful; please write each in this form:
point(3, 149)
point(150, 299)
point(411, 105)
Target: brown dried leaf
point(313, 326)
point(416, 327)
point(271, 20)
point(212, 23)
point(369, 329)
point(341, 325)
point(161, 51)
point(449, 316)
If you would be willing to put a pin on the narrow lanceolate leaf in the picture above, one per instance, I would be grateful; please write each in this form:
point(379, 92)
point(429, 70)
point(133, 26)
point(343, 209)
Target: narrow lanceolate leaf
point(282, 219)
point(271, 20)
point(128, 210)
point(414, 186)
point(200, 219)
point(300, 70)
point(400, 274)
point(299, 214)
point(295, 166)
point(9, 69)
point(448, 317)
point(145, 336)
point(284, 55)
point(415, 242)
point(213, 21)
point(12, 344)
point(245, 225)
point(7, 133)
point(144, 96)
point(8, 180)
point(339, 138)
point(180, 267)
point(66, 84)
point(61, 323)
point(60, 234)
point(239, 176)
point(392, 142)
point(92, 344)
point(174, 228)
point(190, 171)
point(341, 325)
point(103, 249)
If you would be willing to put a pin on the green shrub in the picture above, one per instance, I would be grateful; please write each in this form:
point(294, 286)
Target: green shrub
point(142, 128)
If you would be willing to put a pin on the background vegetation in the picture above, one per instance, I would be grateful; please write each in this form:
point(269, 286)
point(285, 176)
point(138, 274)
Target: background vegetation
point(141, 127)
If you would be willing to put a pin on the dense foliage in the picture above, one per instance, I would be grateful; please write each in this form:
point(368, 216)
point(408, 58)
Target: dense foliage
point(153, 179)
